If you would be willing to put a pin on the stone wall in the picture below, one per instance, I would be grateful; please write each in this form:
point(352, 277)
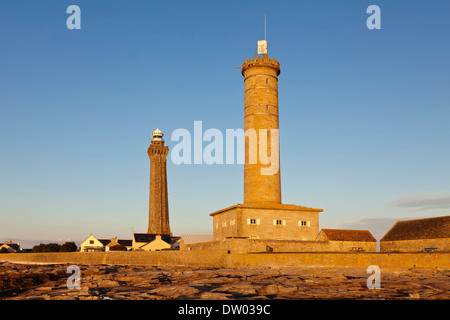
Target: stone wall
point(442, 244)
point(221, 259)
point(383, 260)
point(260, 245)
point(346, 246)
point(166, 257)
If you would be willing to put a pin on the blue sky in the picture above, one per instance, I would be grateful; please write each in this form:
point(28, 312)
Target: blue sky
point(364, 114)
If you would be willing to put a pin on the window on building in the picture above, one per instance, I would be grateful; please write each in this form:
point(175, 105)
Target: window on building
point(279, 222)
point(224, 224)
point(91, 241)
point(253, 221)
point(303, 223)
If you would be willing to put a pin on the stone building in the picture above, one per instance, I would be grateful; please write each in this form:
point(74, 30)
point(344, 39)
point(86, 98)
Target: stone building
point(348, 240)
point(262, 215)
point(266, 221)
point(430, 234)
point(262, 222)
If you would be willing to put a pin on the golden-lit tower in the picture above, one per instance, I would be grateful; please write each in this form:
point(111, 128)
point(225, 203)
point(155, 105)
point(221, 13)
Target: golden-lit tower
point(158, 216)
point(261, 118)
point(262, 215)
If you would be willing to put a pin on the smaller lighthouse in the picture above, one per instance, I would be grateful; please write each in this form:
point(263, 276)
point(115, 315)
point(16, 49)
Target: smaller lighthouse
point(158, 216)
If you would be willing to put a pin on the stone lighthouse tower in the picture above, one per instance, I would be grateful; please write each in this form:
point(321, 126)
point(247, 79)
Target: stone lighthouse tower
point(261, 120)
point(158, 216)
point(263, 216)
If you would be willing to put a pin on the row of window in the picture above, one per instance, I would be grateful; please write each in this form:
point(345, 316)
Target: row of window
point(300, 223)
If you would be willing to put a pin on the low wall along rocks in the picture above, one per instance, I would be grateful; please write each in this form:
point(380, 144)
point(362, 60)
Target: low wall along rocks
point(224, 259)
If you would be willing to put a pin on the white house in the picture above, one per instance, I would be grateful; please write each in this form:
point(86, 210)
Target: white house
point(92, 244)
point(151, 242)
point(11, 246)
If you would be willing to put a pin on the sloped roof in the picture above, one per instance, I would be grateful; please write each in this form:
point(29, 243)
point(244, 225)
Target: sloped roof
point(126, 243)
point(429, 228)
point(197, 238)
point(104, 241)
point(107, 242)
point(348, 235)
point(114, 244)
point(149, 237)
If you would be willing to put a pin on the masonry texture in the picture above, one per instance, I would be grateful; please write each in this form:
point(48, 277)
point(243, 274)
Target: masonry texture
point(158, 221)
point(262, 215)
point(418, 235)
point(228, 259)
point(261, 113)
point(254, 246)
point(266, 221)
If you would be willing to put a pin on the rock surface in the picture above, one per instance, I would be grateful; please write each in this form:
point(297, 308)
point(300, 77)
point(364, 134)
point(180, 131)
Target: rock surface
point(49, 282)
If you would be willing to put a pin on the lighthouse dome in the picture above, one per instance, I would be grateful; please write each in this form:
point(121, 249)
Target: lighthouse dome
point(157, 135)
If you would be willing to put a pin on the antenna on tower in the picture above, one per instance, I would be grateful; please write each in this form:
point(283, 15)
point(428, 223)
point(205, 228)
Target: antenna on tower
point(265, 24)
point(262, 44)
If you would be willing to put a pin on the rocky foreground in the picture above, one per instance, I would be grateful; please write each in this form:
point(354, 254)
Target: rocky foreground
point(49, 282)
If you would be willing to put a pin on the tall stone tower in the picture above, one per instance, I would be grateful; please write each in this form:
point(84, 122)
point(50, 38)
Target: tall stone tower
point(261, 117)
point(263, 216)
point(158, 216)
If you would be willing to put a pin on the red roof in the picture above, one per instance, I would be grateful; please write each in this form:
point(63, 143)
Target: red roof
point(429, 228)
point(348, 235)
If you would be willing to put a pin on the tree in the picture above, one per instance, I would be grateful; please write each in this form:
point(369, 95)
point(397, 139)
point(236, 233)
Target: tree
point(47, 247)
point(51, 247)
point(68, 247)
point(38, 248)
